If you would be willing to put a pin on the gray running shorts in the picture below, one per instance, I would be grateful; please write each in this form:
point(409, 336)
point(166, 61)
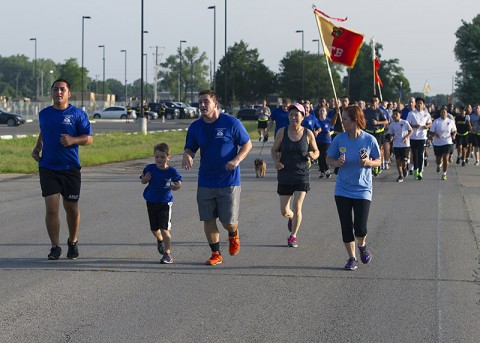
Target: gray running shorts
point(221, 203)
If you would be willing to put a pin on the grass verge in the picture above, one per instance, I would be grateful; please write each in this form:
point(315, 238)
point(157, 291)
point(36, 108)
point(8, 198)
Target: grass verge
point(15, 154)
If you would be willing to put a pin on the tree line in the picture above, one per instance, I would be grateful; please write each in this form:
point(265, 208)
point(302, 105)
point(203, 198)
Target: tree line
point(302, 74)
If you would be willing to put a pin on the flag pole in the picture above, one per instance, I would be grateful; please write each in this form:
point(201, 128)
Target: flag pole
point(380, 92)
point(373, 64)
point(331, 80)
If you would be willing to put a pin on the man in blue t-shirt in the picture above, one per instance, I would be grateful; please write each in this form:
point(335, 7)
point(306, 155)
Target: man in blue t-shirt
point(63, 128)
point(279, 116)
point(223, 143)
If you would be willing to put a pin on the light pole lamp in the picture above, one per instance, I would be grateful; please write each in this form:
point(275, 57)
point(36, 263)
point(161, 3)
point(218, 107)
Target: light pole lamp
point(180, 74)
point(83, 43)
point(303, 65)
point(318, 56)
point(126, 97)
point(103, 87)
point(146, 77)
point(35, 69)
point(214, 45)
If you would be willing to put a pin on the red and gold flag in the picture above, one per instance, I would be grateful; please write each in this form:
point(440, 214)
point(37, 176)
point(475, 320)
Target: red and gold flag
point(378, 81)
point(340, 45)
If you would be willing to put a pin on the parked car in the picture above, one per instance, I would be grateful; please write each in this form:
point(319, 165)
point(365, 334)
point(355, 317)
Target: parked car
point(196, 106)
point(186, 112)
point(11, 119)
point(114, 112)
point(247, 114)
point(170, 113)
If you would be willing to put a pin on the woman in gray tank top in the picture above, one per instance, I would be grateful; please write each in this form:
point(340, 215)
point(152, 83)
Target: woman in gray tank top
point(292, 150)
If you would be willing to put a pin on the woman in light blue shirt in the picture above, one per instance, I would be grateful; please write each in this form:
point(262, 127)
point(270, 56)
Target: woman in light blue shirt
point(354, 152)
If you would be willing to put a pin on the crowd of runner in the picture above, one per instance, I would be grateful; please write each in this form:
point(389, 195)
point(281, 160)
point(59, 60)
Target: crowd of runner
point(455, 129)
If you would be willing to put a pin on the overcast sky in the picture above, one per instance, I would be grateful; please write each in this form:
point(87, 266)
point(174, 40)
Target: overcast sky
point(420, 33)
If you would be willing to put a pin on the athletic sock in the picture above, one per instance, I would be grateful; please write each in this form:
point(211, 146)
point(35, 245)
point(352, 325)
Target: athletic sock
point(215, 246)
point(232, 234)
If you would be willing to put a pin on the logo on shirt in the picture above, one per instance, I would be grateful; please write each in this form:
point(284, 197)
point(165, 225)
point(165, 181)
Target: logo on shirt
point(67, 120)
point(220, 132)
point(363, 153)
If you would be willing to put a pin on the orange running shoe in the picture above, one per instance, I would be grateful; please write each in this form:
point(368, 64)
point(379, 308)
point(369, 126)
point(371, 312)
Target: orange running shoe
point(215, 259)
point(234, 245)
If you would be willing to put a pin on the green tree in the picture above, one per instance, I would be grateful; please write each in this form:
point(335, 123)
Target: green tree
point(134, 90)
point(248, 79)
point(317, 78)
point(17, 77)
point(50, 73)
point(194, 74)
point(360, 83)
point(467, 52)
point(116, 87)
point(72, 72)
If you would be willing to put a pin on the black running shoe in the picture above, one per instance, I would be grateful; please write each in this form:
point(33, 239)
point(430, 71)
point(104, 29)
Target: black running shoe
point(55, 253)
point(160, 248)
point(72, 252)
point(166, 259)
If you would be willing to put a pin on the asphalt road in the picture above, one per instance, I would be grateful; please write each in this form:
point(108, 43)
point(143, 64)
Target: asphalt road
point(422, 285)
point(100, 126)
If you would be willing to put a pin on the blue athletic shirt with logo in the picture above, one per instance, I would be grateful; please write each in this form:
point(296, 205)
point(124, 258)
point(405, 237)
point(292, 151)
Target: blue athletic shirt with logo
point(353, 180)
point(219, 143)
point(158, 188)
point(72, 121)
point(311, 123)
point(280, 117)
point(322, 137)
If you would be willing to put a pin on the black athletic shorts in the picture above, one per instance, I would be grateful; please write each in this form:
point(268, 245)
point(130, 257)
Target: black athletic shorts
point(262, 124)
point(379, 136)
point(160, 215)
point(440, 150)
point(66, 182)
point(290, 189)
point(461, 140)
point(401, 153)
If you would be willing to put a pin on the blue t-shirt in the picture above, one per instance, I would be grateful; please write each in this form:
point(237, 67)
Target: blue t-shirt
point(72, 121)
point(219, 143)
point(353, 180)
point(280, 117)
point(405, 112)
point(158, 188)
point(322, 137)
point(311, 122)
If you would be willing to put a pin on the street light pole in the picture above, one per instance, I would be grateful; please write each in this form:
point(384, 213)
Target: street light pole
point(180, 77)
point(146, 77)
point(319, 65)
point(214, 84)
point(191, 78)
point(35, 72)
point(83, 43)
point(126, 97)
point(226, 58)
point(103, 87)
point(155, 78)
point(303, 65)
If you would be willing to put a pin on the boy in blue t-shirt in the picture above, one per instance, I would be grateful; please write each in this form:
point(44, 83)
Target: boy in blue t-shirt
point(162, 180)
